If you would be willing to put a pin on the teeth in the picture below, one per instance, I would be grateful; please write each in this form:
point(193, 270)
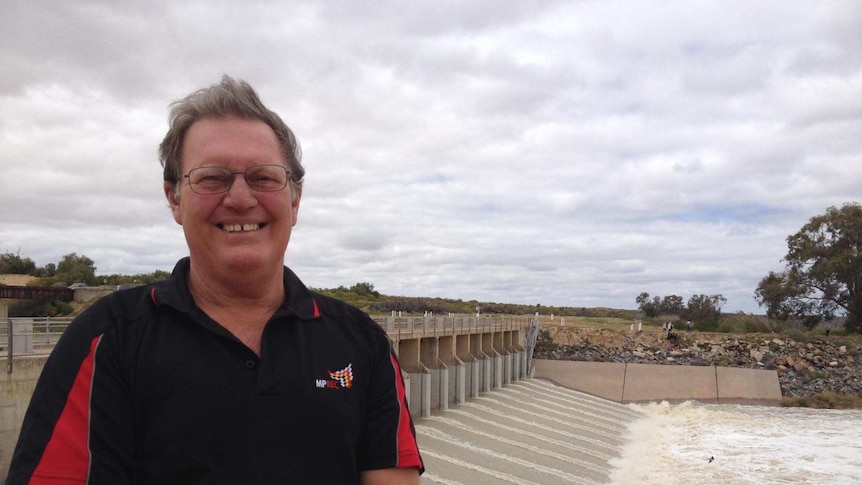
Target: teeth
point(241, 227)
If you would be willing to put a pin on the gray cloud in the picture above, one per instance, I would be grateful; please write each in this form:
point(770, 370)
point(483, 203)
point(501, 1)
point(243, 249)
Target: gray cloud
point(563, 153)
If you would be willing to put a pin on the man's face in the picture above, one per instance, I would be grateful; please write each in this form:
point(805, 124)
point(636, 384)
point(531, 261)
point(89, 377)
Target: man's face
point(241, 229)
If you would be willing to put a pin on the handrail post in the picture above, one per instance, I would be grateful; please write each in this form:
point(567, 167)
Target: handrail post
point(10, 348)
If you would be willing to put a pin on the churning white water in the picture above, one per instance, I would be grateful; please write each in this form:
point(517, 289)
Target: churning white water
point(673, 444)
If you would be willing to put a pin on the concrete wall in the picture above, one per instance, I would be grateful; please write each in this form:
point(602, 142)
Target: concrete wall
point(633, 383)
point(86, 295)
point(15, 391)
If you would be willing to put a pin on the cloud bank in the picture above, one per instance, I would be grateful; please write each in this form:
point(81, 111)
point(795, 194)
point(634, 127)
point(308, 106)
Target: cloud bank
point(561, 153)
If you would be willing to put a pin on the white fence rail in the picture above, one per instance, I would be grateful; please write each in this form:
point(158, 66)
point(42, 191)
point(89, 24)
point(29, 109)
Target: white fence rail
point(406, 327)
point(31, 335)
point(28, 335)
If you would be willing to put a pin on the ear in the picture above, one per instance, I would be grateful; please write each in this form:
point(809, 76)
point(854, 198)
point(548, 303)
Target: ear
point(294, 202)
point(173, 201)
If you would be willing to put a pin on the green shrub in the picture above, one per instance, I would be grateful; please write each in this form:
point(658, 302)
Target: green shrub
point(797, 335)
point(755, 326)
point(58, 308)
point(711, 326)
point(825, 400)
point(819, 375)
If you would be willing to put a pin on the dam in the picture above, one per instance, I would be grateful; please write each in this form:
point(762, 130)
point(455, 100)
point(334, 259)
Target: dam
point(484, 410)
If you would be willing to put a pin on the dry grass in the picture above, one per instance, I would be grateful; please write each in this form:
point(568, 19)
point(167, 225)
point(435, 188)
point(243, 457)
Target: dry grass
point(15, 279)
point(586, 322)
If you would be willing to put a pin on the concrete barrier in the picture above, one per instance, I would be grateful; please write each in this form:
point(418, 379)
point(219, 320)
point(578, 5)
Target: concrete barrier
point(748, 386)
point(672, 383)
point(15, 391)
point(635, 383)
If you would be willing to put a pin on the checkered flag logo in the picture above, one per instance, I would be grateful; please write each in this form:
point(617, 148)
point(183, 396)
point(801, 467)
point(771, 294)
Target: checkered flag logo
point(344, 377)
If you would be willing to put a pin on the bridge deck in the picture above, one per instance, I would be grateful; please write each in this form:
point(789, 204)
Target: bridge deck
point(36, 293)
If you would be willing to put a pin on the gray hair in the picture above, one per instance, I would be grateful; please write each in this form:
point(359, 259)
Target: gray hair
point(228, 98)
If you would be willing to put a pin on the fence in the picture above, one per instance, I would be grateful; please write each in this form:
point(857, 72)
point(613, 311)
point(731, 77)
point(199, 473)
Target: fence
point(30, 335)
point(33, 335)
point(408, 327)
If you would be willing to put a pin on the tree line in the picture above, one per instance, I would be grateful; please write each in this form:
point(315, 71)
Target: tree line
point(822, 278)
point(72, 268)
point(821, 282)
point(363, 295)
point(704, 311)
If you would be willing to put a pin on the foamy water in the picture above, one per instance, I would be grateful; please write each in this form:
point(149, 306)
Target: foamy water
point(672, 444)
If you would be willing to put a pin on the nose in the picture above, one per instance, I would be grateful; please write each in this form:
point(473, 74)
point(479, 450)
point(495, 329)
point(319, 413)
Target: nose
point(240, 196)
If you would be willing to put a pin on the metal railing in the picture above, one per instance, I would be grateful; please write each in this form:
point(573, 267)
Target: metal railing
point(409, 327)
point(29, 335)
point(20, 336)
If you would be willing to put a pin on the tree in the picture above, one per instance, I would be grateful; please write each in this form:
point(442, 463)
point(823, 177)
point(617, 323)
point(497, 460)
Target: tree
point(649, 307)
point(364, 289)
point(77, 269)
point(672, 305)
point(704, 309)
point(823, 274)
point(46, 271)
point(668, 305)
point(11, 263)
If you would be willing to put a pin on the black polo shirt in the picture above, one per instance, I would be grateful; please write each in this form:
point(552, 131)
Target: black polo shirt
point(145, 388)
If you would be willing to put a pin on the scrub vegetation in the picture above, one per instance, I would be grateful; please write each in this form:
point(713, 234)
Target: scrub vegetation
point(703, 310)
point(824, 400)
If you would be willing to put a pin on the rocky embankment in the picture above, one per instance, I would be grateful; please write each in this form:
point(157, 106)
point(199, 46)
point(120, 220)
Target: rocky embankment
point(804, 368)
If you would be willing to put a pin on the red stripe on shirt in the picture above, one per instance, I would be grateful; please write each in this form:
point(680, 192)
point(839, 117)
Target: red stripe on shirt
point(408, 450)
point(66, 458)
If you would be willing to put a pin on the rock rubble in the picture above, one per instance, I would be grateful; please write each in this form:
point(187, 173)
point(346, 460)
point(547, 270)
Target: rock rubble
point(804, 368)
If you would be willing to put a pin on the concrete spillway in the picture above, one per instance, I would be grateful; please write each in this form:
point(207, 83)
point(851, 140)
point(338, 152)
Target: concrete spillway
point(530, 432)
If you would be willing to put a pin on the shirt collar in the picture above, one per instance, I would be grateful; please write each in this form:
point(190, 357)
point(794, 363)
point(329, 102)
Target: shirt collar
point(174, 292)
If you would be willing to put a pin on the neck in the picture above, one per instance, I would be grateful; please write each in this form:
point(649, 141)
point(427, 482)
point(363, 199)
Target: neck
point(237, 291)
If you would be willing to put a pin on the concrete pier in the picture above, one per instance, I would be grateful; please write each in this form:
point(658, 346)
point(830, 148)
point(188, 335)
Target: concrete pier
point(448, 360)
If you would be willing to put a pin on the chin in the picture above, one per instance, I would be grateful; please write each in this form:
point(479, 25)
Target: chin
point(248, 261)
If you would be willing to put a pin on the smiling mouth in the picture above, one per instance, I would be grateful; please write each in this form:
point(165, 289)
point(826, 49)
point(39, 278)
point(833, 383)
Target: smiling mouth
point(240, 227)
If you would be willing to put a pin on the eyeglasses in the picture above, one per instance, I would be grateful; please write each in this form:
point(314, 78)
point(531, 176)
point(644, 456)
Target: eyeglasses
point(218, 180)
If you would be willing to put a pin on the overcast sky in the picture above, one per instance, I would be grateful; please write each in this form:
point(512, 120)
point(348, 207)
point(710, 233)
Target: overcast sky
point(570, 153)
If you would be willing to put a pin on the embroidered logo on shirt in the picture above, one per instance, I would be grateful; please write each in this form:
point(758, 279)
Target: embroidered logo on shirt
point(342, 379)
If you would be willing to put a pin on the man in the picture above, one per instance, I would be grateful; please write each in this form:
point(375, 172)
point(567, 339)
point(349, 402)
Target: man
point(231, 371)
